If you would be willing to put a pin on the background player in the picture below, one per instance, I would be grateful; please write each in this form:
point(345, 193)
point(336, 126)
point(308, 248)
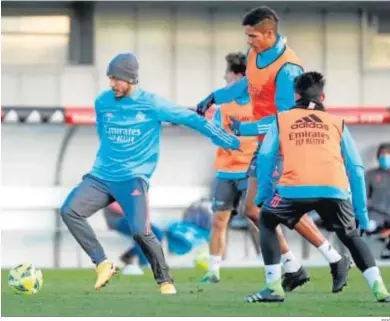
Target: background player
point(378, 194)
point(321, 166)
point(231, 167)
point(271, 69)
point(128, 121)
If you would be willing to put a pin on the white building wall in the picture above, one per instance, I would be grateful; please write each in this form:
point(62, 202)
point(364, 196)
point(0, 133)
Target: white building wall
point(181, 51)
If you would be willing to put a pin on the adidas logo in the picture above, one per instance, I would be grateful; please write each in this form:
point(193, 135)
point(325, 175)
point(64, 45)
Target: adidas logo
point(311, 121)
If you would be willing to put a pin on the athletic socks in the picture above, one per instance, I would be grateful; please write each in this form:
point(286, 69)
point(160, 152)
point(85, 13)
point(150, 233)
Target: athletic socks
point(290, 263)
point(215, 263)
point(329, 252)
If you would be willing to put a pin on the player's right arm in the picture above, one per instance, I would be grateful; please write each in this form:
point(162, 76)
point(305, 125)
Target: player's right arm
point(98, 121)
point(172, 113)
point(355, 171)
point(223, 95)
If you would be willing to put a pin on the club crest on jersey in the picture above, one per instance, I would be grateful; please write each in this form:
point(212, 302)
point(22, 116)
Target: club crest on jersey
point(109, 116)
point(140, 116)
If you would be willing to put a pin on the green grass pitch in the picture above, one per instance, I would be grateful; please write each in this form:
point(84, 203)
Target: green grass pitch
point(71, 293)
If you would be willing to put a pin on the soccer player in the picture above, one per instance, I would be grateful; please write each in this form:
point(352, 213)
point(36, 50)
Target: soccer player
point(231, 167)
point(128, 121)
point(271, 69)
point(321, 166)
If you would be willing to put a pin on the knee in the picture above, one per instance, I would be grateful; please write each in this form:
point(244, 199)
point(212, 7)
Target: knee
point(220, 222)
point(140, 237)
point(267, 219)
point(65, 210)
point(344, 234)
point(251, 210)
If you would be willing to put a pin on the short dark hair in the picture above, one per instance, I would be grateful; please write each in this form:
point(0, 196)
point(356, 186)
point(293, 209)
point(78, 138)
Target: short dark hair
point(257, 15)
point(236, 62)
point(310, 85)
point(382, 147)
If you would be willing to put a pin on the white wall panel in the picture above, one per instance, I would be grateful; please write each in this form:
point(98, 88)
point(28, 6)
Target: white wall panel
point(10, 88)
point(154, 49)
point(342, 68)
point(228, 37)
point(115, 32)
point(376, 88)
point(305, 33)
point(193, 55)
point(40, 88)
point(79, 86)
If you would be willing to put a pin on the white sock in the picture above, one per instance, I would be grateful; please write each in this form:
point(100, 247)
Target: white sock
point(372, 274)
point(273, 273)
point(290, 263)
point(329, 252)
point(215, 263)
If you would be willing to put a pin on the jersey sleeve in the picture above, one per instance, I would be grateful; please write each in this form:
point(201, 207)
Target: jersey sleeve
point(355, 171)
point(285, 94)
point(266, 162)
point(170, 112)
point(232, 92)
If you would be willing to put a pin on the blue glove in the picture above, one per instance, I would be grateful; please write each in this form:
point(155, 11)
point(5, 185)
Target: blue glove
point(235, 126)
point(205, 104)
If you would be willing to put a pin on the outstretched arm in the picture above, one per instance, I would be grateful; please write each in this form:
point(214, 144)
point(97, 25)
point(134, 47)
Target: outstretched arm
point(170, 112)
point(223, 95)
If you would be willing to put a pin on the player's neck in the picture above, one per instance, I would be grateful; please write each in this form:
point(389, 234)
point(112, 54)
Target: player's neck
point(268, 46)
point(131, 90)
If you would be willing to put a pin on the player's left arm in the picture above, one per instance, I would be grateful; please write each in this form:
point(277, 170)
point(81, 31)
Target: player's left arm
point(170, 112)
point(266, 162)
point(355, 171)
point(285, 94)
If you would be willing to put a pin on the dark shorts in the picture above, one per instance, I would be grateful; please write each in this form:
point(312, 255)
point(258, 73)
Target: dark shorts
point(228, 193)
point(251, 172)
point(337, 215)
point(93, 194)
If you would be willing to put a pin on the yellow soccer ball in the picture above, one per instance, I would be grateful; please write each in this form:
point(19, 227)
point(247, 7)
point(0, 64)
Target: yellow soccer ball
point(202, 259)
point(25, 279)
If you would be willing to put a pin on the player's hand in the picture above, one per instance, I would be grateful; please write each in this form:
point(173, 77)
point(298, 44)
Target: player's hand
point(205, 104)
point(235, 126)
point(361, 231)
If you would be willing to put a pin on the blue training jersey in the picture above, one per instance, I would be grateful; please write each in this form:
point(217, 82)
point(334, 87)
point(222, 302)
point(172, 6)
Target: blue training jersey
point(129, 131)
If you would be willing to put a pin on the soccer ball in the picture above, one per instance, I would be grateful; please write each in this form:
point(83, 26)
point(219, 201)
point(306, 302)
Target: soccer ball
point(25, 279)
point(201, 259)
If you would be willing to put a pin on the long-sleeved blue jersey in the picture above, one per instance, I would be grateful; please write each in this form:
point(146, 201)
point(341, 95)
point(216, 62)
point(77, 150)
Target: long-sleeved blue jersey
point(129, 130)
point(266, 162)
